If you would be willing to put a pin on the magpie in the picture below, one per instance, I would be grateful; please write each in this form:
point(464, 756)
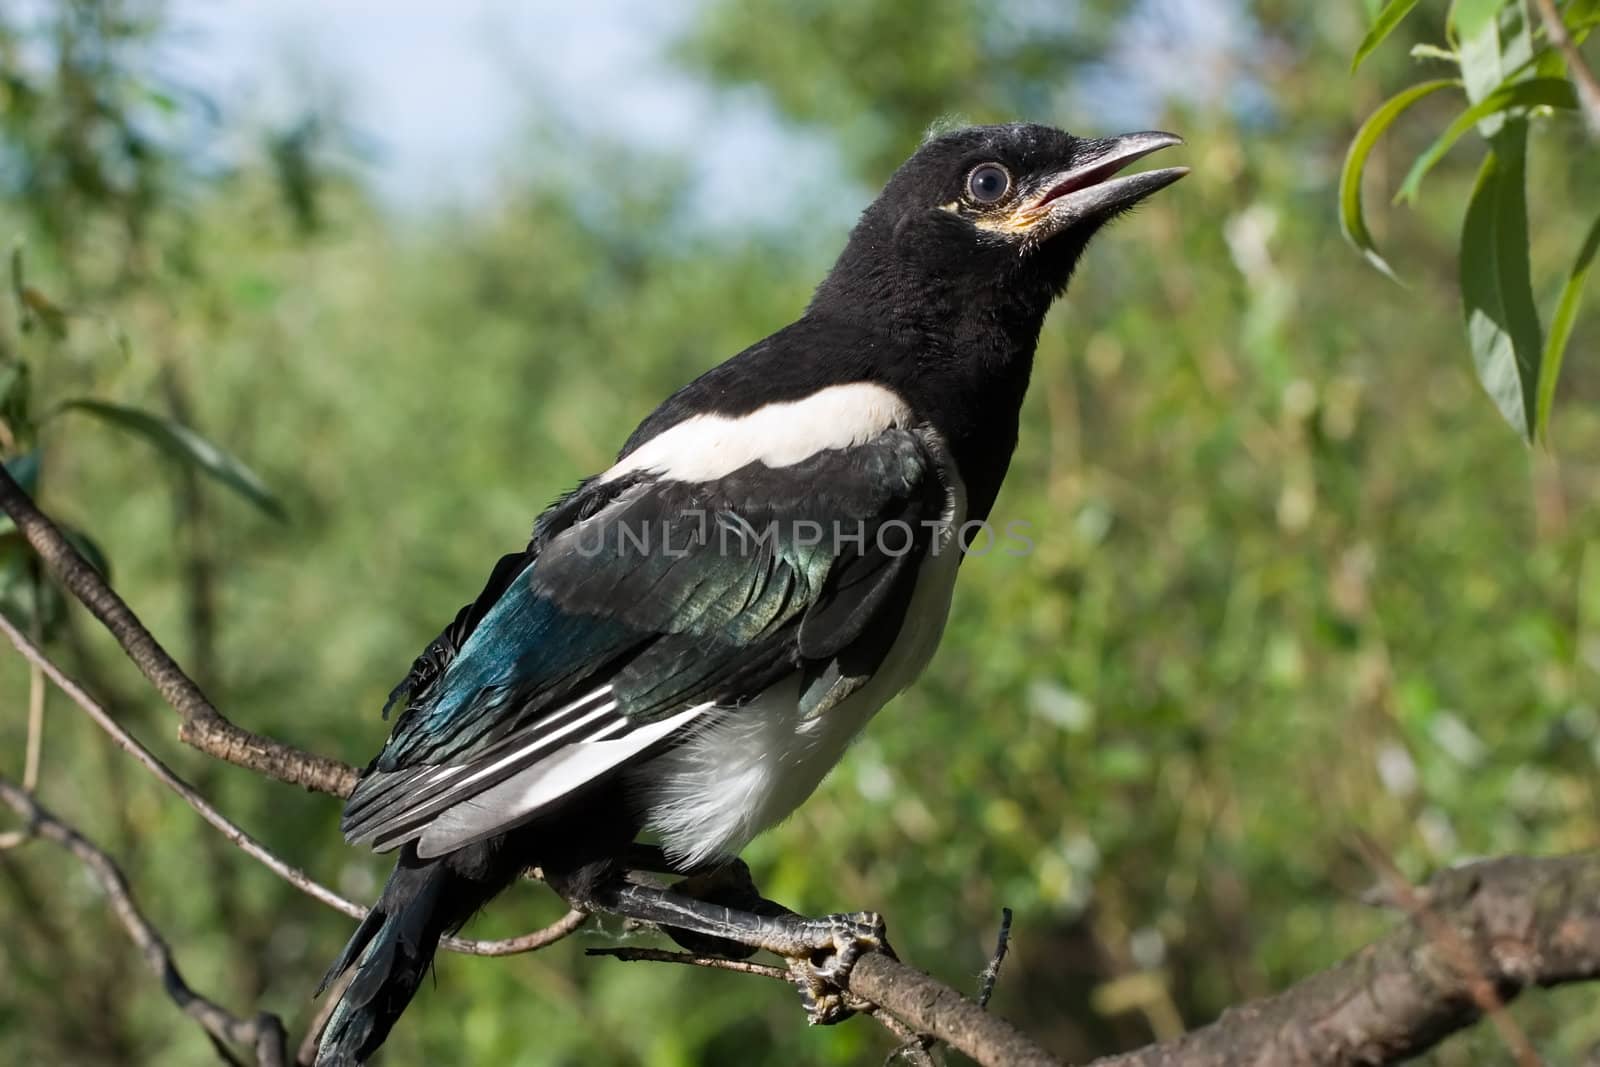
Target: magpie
point(693, 637)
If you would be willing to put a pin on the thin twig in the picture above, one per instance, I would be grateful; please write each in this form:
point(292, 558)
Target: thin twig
point(923, 1044)
point(914, 1048)
point(991, 973)
point(1582, 77)
point(36, 692)
point(565, 926)
point(237, 835)
point(204, 727)
point(264, 1033)
point(35, 749)
point(151, 762)
point(690, 959)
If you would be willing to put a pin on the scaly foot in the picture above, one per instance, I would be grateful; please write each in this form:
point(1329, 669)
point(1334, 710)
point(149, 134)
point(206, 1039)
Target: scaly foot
point(823, 974)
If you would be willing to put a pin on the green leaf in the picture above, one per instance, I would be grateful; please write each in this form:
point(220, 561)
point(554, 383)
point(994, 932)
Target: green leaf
point(37, 605)
point(1497, 296)
point(24, 470)
point(1548, 92)
point(1494, 45)
point(1352, 220)
point(1473, 17)
point(38, 308)
point(1561, 328)
point(184, 444)
point(15, 387)
point(1578, 13)
point(1382, 26)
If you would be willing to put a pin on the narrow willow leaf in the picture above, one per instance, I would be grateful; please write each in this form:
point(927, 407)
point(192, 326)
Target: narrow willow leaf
point(1555, 346)
point(184, 444)
point(39, 308)
point(37, 605)
point(1495, 44)
point(1352, 219)
point(15, 394)
point(1496, 293)
point(24, 470)
point(1535, 92)
point(1383, 25)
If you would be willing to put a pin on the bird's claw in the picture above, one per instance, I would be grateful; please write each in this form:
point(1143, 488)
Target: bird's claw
point(822, 975)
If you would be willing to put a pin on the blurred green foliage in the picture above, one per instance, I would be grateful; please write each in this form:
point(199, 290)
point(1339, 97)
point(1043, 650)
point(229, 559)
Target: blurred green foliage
point(1295, 581)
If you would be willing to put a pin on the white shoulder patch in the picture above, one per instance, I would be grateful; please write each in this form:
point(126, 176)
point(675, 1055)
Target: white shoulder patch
point(707, 447)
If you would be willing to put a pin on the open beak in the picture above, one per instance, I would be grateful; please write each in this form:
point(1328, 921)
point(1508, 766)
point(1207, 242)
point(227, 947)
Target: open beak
point(1091, 190)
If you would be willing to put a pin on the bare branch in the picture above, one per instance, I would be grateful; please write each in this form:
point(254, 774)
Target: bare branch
point(264, 1033)
point(929, 1006)
point(921, 1045)
point(204, 727)
point(911, 1049)
point(1512, 923)
point(1523, 922)
point(1419, 908)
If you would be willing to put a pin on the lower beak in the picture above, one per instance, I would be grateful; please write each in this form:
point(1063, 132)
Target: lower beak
point(1091, 190)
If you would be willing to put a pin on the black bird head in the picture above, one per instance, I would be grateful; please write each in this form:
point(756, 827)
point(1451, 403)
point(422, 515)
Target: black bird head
point(943, 287)
point(1004, 210)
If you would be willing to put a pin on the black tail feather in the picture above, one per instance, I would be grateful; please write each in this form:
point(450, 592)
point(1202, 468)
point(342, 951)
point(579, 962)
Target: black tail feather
point(394, 944)
point(423, 900)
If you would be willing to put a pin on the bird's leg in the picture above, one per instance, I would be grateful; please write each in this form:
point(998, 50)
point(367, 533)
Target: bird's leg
point(820, 952)
point(727, 882)
point(731, 885)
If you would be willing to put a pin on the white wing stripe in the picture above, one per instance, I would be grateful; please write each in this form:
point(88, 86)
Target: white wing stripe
point(541, 784)
point(444, 774)
point(539, 741)
point(618, 727)
point(376, 806)
point(707, 447)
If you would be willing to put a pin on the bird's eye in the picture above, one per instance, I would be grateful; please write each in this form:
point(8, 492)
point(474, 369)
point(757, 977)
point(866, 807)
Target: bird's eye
point(988, 183)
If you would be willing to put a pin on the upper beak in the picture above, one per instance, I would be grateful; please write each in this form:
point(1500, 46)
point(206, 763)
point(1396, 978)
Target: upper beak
point(1089, 190)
